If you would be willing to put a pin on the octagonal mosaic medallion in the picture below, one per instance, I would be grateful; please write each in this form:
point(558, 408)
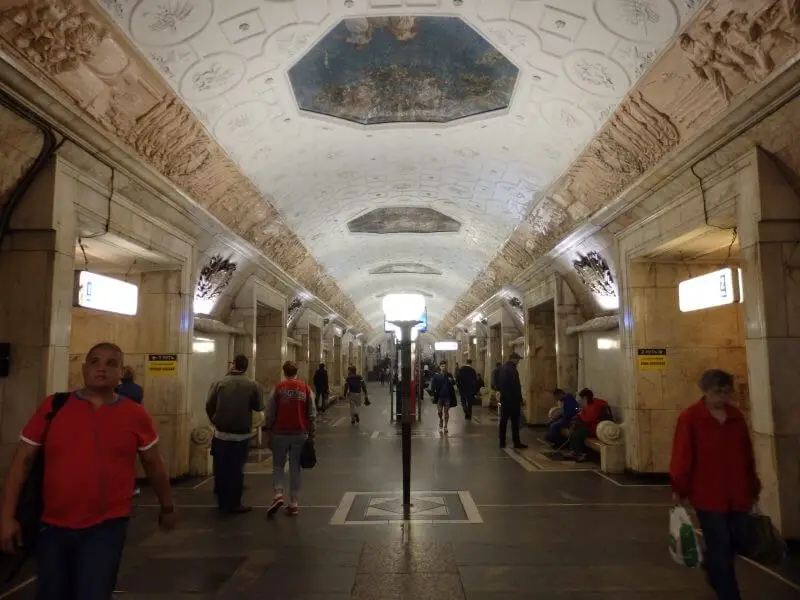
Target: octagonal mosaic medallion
point(373, 70)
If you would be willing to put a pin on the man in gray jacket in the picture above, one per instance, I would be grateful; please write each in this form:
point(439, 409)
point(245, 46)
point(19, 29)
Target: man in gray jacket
point(231, 403)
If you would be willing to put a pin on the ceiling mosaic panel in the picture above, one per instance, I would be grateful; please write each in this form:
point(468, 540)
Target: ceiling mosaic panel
point(403, 219)
point(259, 74)
point(403, 69)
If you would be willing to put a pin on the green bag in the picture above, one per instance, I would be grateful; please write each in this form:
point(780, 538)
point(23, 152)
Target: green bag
point(684, 545)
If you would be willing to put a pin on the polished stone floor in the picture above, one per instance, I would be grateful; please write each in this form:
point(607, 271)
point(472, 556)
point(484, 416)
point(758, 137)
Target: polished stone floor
point(486, 527)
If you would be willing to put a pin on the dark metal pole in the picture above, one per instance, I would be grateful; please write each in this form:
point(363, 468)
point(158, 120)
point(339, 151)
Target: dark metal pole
point(405, 386)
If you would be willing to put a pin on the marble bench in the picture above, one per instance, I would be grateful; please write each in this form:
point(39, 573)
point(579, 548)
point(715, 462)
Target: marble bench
point(609, 444)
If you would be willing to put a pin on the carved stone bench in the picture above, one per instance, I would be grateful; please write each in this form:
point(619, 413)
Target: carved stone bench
point(609, 444)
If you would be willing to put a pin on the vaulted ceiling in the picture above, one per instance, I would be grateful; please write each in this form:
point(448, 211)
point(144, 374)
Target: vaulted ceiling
point(401, 140)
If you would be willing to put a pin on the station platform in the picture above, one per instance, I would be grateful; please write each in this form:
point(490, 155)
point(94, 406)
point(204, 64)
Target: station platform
point(487, 524)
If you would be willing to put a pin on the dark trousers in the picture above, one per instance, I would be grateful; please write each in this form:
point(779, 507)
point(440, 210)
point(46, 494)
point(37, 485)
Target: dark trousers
point(79, 564)
point(577, 439)
point(229, 460)
point(321, 400)
point(509, 412)
point(466, 402)
point(554, 435)
point(724, 534)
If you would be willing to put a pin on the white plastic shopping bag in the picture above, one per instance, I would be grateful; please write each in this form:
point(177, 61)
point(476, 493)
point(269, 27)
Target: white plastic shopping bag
point(684, 545)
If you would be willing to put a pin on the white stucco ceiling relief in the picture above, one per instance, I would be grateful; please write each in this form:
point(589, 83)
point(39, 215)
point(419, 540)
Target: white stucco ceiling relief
point(230, 61)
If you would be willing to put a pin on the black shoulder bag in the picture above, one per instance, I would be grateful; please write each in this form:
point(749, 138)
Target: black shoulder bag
point(31, 501)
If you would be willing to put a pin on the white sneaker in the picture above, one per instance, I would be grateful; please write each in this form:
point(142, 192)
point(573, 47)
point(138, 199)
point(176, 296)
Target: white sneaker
point(137, 492)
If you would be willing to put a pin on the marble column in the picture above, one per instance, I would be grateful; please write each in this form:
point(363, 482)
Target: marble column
point(243, 317)
point(165, 328)
point(304, 366)
point(36, 271)
point(567, 314)
point(335, 378)
point(769, 230)
point(269, 346)
point(542, 362)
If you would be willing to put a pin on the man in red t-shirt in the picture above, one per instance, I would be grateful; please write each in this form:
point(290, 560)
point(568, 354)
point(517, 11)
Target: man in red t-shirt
point(90, 448)
point(713, 469)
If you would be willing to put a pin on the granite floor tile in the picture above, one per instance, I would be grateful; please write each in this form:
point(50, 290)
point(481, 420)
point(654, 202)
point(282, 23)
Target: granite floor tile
point(408, 557)
point(407, 586)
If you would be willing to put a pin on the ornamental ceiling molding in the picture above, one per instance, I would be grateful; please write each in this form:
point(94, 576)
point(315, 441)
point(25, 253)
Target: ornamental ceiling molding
point(720, 58)
point(67, 42)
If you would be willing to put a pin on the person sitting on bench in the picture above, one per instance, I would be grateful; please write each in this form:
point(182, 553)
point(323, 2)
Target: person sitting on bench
point(569, 408)
point(593, 410)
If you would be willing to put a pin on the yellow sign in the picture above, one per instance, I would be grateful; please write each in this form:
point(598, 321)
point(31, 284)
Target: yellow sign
point(162, 364)
point(651, 359)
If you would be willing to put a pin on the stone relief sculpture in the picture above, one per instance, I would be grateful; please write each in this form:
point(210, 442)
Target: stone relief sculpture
point(635, 138)
point(742, 45)
point(55, 35)
point(293, 310)
point(171, 139)
point(595, 274)
point(215, 276)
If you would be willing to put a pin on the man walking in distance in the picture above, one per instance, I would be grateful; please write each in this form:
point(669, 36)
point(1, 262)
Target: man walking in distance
point(231, 403)
point(321, 388)
point(467, 380)
point(90, 445)
point(444, 392)
point(510, 400)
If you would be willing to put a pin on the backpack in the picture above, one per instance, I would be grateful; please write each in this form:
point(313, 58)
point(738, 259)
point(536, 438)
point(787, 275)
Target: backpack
point(31, 502)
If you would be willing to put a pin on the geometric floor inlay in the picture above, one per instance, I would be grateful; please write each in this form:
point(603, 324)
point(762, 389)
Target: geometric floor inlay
point(365, 508)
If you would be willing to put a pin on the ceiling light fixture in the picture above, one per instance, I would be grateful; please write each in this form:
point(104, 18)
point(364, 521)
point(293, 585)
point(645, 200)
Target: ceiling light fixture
point(718, 288)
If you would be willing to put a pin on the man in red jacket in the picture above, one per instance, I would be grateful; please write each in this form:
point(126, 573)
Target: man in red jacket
point(593, 410)
point(713, 469)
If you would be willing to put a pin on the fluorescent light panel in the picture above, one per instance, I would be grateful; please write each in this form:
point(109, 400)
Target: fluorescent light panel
point(718, 288)
point(203, 345)
point(446, 346)
point(99, 292)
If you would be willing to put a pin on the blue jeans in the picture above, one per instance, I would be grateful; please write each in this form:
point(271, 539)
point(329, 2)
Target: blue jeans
point(283, 447)
point(79, 564)
point(724, 535)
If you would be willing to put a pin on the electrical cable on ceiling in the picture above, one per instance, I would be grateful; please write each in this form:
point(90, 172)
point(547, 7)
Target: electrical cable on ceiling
point(48, 149)
point(733, 241)
point(83, 250)
point(110, 199)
